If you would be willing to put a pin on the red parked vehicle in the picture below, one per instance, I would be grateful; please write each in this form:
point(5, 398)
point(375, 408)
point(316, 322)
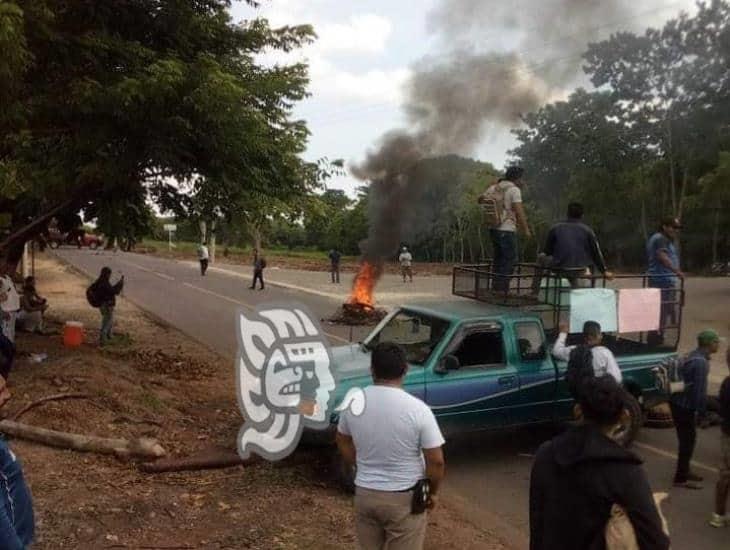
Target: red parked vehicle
point(79, 239)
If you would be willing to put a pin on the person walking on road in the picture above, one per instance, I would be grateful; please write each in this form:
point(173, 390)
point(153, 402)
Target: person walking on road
point(391, 463)
point(335, 257)
point(690, 404)
point(502, 205)
point(580, 475)
point(720, 517)
point(259, 264)
point(406, 261)
point(572, 250)
point(203, 258)
point(105, 294)
point(664, 271)
point(603, 361)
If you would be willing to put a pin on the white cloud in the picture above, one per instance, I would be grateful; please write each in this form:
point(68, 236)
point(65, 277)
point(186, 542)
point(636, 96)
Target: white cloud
point(362, 34)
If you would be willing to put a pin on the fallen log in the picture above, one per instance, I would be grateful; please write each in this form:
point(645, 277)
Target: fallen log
point(55, 397)
point(205, 460)
point(142, 447)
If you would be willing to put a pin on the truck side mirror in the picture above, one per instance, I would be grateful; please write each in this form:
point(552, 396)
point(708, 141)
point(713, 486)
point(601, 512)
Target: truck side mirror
point(447, 363)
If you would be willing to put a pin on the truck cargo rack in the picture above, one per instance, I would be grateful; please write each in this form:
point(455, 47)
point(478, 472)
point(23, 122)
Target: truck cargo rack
point(547, 292)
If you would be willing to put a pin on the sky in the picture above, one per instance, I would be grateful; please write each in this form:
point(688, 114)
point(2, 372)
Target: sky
point(366, 51)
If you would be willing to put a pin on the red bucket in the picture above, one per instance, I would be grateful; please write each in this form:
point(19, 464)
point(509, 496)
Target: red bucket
point(73, 334)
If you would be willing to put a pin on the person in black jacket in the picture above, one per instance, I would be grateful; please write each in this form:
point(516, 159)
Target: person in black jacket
point(106, 295)
point(579, 475)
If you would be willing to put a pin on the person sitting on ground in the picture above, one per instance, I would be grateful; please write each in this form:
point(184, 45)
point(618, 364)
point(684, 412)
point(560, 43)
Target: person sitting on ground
point(581, 474)
point(32, 307)
point(603, 360)
point(17, 524)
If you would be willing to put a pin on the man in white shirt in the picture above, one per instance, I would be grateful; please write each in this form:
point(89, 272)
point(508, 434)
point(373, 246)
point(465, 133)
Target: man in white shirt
point(406, 259)
point(203, 257)
point(395, 442)
point(10, 304)
point(603, 360)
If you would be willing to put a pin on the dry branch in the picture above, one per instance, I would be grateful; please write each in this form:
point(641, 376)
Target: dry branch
point(206, 460)
point(55, 397)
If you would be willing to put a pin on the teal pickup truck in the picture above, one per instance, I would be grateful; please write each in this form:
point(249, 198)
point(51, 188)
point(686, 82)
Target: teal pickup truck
point(485, 363)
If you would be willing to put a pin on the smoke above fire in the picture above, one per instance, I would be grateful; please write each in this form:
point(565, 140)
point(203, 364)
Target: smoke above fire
point(455, 98)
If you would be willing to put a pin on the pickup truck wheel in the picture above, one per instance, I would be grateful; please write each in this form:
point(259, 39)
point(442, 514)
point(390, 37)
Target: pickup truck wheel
point(343, 474)
point(53, 245)
point(629, 428)
point(93, 245)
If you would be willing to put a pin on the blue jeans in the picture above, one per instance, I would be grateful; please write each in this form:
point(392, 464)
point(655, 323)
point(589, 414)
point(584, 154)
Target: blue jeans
point(107, 322)
point(16, 507)
point(504, 244)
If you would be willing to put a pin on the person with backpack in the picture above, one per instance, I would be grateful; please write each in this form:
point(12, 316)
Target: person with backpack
point(102, 294)
point(504, 213)
point(259, 264)
point(582, 476)
point(601, 358)
point(690, 405)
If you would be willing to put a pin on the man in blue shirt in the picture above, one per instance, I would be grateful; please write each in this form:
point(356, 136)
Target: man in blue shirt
point(692, 403)
point(663, 269)
point(16, 507)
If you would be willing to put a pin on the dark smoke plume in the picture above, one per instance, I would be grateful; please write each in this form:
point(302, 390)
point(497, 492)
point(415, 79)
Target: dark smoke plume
point(453, 100)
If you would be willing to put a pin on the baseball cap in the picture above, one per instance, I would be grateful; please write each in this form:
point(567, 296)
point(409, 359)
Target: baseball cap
point(707, 337)
point(672, 222)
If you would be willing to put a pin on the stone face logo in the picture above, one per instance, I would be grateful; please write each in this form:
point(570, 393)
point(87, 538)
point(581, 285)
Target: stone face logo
point(284, 379)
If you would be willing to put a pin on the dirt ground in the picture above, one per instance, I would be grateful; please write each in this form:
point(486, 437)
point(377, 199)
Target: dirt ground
point(156, 382)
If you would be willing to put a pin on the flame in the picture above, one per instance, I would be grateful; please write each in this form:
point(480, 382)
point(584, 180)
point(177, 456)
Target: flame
point(364, 286)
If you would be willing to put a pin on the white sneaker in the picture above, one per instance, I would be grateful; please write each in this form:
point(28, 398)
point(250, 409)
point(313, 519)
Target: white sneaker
point(719, 521)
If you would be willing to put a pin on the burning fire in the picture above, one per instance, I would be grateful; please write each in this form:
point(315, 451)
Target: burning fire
point(364, 286)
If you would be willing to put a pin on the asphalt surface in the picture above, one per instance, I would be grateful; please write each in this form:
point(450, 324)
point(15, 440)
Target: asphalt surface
point(489, 471)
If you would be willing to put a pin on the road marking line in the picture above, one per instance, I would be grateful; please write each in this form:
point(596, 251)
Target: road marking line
point(667, 454)
point(249, 307)
point(162, 275)
point(147, 270)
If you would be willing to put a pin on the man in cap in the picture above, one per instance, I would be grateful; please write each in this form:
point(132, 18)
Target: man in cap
point(406, 259)
point(691, 403)
point(663, 269)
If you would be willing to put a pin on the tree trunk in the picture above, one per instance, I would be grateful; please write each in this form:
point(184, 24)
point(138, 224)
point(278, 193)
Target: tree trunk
point(212, 241)
point(203, 231)
point(682, 193)
point(644, 228)
point(482, 250)
point(715, 235)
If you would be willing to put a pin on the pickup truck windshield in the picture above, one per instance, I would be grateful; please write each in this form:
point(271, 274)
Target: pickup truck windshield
point(419, 334)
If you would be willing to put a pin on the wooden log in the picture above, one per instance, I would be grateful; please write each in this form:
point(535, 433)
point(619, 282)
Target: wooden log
point(142, 447)
point(55, 397)
point(205, 460)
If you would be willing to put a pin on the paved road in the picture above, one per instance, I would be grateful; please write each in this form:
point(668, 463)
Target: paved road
point(489, 471)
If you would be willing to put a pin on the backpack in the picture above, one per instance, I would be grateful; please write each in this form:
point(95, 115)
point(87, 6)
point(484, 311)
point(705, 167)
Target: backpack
point(580, 367)
point(492, 202)
point(92, 296)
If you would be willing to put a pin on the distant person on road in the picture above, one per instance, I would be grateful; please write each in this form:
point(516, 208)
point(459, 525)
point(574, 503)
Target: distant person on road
point(9, 303)
point(335, 257)
point(664, 271)
point(406, 262)
point(572, 250)
point(603, 360)
point(17, 524)
point(105, 295)
point(259, 264)
point(691, 404)
point(33, 307)
point(720, 518)
point(580, 475)
point(391, 462)
point(504, 213)
point(203, 258)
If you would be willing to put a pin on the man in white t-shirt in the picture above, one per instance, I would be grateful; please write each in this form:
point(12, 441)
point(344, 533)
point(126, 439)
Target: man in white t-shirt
point(10, 304)
point(603, 360)
point(395, 442)
point(511, 215)
point(406, 259)
point(204, 258)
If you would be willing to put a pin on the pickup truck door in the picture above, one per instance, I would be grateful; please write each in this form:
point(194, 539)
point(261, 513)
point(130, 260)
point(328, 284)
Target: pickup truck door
point(482, 392)
point(537, 371)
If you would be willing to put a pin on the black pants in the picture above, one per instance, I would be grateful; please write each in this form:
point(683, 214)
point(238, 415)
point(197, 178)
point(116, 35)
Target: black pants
point(258, 276)
point(504, 245)
point(684, 422)
point(335, 270)
point(203, 266)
